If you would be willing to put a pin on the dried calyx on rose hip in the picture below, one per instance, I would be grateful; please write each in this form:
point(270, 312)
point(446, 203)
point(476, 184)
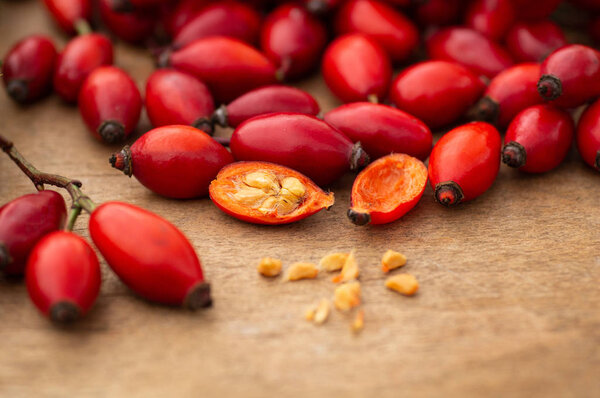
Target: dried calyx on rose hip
point(387, 189)
point(266, 193)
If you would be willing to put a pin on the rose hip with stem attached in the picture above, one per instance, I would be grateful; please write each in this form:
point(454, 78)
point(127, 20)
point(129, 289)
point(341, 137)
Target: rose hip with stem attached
point(110, 104)
point(464, 163)
point(174, 97)
point(78, 59)
point(588, 135)
point(265, 100)
point(538, 139)
point(71, 15)
point(63, 276)
point(534, 41)
point(173, 161)
point(27, 68)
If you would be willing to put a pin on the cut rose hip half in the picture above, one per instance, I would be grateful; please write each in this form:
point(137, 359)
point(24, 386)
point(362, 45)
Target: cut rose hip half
point(266, 193)
point(387, 189)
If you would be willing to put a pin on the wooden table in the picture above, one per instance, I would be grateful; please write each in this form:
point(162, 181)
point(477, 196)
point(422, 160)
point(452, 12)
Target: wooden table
point(508, 305)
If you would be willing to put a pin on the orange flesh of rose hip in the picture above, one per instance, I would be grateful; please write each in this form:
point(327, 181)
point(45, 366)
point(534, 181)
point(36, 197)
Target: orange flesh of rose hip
point(232, 181)
point(387, 189)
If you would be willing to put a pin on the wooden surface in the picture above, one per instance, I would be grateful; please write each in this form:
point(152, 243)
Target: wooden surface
point(508, 305)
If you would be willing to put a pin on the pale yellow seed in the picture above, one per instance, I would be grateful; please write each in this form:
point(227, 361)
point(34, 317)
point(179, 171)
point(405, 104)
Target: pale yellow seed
point(347, 296)
point(268, 205)
point(359, 321)
point(333, 262)
point(403, 283)
point(309, 315)
point(285, 206)
point(322, 312)
point(349, 270)
point(250, 196)
point(299, 271)
point(263, 181)
point(269, 266)
point(293, 186)
point(392, 260)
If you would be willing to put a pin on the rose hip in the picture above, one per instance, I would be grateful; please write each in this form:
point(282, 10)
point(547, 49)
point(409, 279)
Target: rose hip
point(321, 7)
point(492, 18)
point(28, 67)
point(125, 6)
point(229, 67)
point(437, 92)
point(183, 12)
point(387, 189)
point(63, 276)
point(266, 193)
point(570, 76)
point(150, 255)
point(438, 12)
point(469, 48)
point(588, 135)
point(133, 27)
point(464, 163)
point(265, 100)
point(510, 92)
point(79, 58)
point(110, 104)
point(173, 161)
point(293, 40)
point(224, 18)
point(174, 97)
point(534, 41)
point(23, 222)
point(538, 139)
point(303, 143)
point(381, 22)
point(381, 129)
point(535, 10)
point(356, 68)
point(70, 14)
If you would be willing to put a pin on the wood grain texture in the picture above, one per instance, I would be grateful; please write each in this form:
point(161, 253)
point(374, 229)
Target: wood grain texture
point(508, 306)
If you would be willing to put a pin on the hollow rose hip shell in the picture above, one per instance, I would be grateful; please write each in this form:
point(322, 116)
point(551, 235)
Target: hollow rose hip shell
point(174, 161)
point(266, 193)
point(588, 135)
point(149, 254)
point(303, 143)
point(381, 129)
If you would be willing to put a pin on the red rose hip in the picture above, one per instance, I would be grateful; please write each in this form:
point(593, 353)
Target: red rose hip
point(27, 68)
point(150, 255)
point(79, 58)
point(492, 18)
point(464, 163)
point(588, 135)
point(438, 12)
point(183, 12)
point(535, 10)
point(303, 143)
point(534, 41)
point(173, 161)
point(110, 104)
point(70, 14)
point(63, 276)
point(23, 222)
point(134, 27)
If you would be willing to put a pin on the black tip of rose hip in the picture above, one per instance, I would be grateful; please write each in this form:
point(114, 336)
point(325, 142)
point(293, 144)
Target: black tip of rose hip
point(448, 193)
point(198, 297)
point(18, 90)
point(122, 160)
point(549, 87)
point(64, 312)
point(514, 155)
point(204, 124)
point(4, 257)
point(358, 218)
point(163, 60)
point(219, 116)
point(359, 158)
point(485, 110)
point(111, 132)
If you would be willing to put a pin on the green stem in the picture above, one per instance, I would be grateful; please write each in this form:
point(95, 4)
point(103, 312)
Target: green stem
point(73, 214)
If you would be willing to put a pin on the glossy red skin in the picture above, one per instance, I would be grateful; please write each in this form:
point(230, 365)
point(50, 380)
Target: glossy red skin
point(437, 92)
point(535, 10)
point(492, 18)
point(578, 68)
point(229, 67)
point(31, 60)
point(381, 129)
point(224, 18)
point(534, 41)
point(181, 14)
point(67, 13)
point(24, 221)
point(293, 40)
point(514, 90)
point(469, 155)
point(300, 142)
point(469, 48)
point(133, 27)
point(397, 34)
point(588, 135)
point(546, 134)
point(355, 67)
point(78, 59)
point(439, 12)
point(178, 161)
point(149, 254)
point(174, 97)
point(63, 267)
point(109, 94)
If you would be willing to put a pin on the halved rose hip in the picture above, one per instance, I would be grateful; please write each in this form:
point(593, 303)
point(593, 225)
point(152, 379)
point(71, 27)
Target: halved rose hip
point(387, 189)
point(266, 193)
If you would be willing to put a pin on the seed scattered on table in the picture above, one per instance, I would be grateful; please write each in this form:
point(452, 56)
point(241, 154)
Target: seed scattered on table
point(359, 321)
point(269, 266)
point(392, 260)
point(333, 262)
point(299, 271)
point(347, 296)
point(403, 283)
point(349, 270)
point(322, 312)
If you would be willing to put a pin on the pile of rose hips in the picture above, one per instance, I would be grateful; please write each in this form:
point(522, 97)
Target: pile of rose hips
point(499, 63)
